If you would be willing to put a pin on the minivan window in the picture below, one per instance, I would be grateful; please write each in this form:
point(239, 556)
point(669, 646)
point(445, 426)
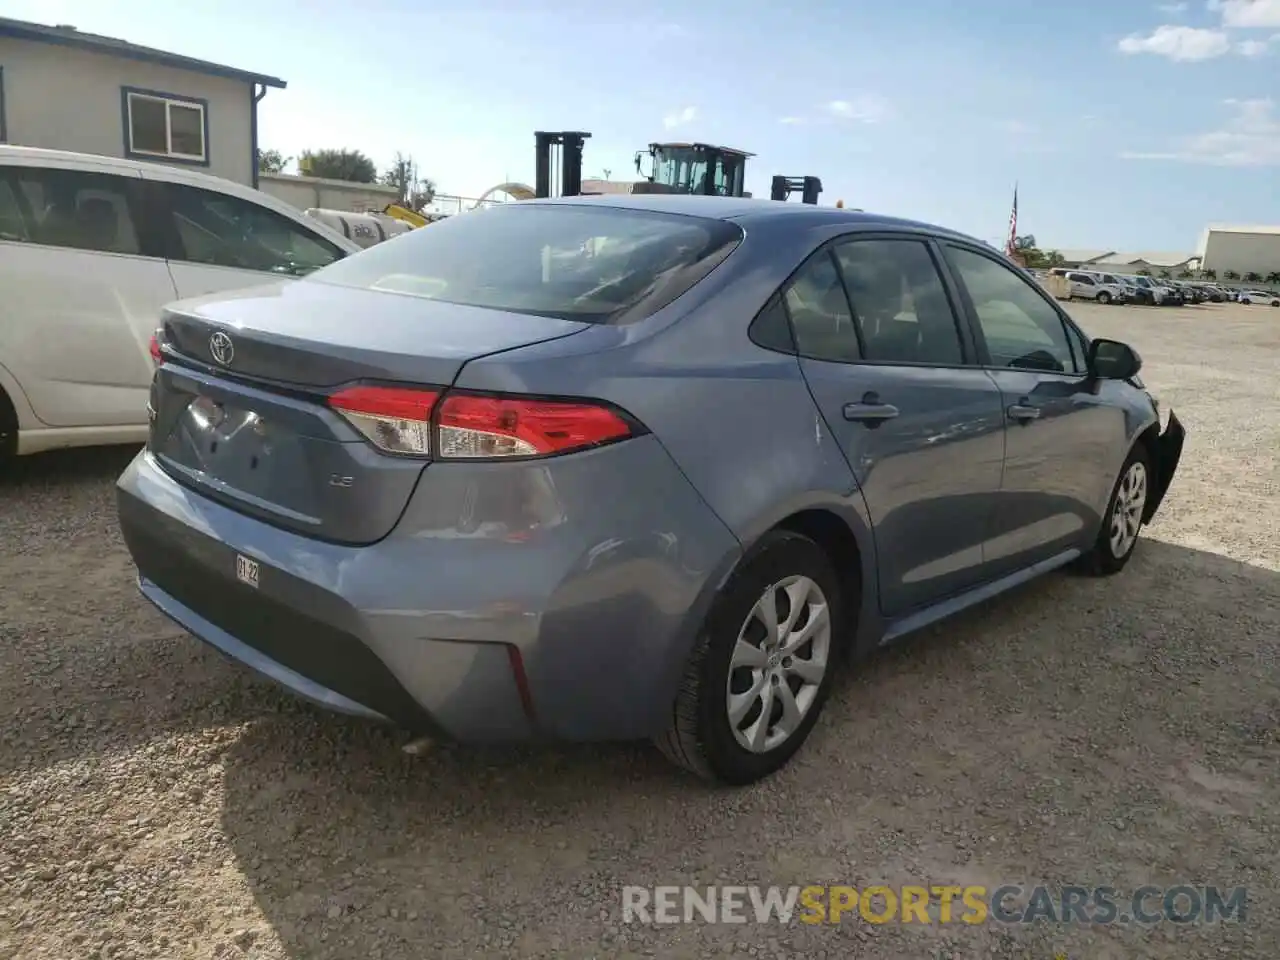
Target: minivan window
point(70, 208)
point(577, 262)
point(225, 231)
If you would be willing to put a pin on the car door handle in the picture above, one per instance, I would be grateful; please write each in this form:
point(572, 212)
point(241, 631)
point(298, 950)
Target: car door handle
point(870, 411)
point(1023, 411)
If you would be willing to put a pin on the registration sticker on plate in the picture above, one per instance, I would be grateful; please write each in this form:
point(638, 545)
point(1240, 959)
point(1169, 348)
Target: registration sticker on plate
point(247, 571)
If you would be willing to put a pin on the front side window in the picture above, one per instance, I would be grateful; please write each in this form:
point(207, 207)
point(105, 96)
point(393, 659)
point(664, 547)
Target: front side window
point(68, 208)
point(577, 262)
point(225, 231)
point(162, 126)
point(1021, 328)
point(900, 302)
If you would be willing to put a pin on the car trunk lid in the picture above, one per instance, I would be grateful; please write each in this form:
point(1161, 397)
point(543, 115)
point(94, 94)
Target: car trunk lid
point(239, 407)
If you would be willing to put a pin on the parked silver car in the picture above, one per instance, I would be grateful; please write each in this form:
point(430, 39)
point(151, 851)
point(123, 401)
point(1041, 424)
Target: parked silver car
point(628, 467)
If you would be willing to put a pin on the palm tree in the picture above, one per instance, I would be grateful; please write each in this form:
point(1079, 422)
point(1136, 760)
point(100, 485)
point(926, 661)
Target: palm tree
point(1165, 274)
point(1253, 277)
point(1144, 272)
point(1185, 274)
point(1273, 278)
point(1209, 274)
point(1231, 275)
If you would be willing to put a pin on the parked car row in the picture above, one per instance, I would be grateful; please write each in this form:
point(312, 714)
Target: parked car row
point(1123, 288)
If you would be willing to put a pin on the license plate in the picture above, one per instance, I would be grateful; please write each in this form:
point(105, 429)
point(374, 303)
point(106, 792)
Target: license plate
point(247, 571)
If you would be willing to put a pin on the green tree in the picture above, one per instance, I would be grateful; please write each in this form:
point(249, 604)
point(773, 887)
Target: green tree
point(1253, 277)
point(1185, 274)
point(1231, 275)
point(272, 161)
point(1165, 275)
point(1144, 272)
point(1209, 274)
point(338, 165)
point(1273, 278)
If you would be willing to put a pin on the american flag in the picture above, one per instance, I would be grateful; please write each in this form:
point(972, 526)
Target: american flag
point(1009, 246)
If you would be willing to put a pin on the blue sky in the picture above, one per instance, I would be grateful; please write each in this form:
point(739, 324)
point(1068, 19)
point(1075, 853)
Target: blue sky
point(1128, 125)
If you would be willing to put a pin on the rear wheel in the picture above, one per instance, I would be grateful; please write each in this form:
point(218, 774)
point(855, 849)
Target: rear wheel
point(1104, 297)
point(1124, 517)
point(763, 666)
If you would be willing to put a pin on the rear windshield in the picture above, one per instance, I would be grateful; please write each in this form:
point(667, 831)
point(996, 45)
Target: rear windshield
point(577, 262)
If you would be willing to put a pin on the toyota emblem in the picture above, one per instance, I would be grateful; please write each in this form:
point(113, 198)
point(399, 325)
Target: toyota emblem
point(222, 348)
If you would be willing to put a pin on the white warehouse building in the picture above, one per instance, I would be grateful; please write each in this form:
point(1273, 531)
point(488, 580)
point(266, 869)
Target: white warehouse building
point(1242, 249)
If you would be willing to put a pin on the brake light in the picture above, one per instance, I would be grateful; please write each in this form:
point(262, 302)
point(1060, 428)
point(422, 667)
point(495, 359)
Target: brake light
point(154, 349)
point(473, 426)
point(395, 419)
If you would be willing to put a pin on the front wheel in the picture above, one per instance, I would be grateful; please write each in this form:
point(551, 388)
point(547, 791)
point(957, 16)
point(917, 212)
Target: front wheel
point(1104, 297)
point(1124, 517)
point(763, 666)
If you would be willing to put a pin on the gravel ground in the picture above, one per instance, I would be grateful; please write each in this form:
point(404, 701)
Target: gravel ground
point(156, 801)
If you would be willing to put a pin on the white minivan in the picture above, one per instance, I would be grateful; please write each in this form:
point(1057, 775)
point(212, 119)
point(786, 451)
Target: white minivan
point(91, 248)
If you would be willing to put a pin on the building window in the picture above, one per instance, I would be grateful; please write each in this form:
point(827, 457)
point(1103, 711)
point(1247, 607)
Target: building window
point(159, 125)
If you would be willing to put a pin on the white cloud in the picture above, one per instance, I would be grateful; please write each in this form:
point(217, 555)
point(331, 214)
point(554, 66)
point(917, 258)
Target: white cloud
point(1258, 48)
point(680, 118)
point(1178, 43)
point(867, 108)
point(1247, 13)
point(1249, 138)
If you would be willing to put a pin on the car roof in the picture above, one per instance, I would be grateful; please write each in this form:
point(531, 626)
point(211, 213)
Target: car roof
point(111, 164)
point(750, 209)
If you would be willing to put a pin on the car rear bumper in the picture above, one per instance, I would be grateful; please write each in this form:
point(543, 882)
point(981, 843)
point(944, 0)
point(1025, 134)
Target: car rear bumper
point(512, 601)
point(1168, 454)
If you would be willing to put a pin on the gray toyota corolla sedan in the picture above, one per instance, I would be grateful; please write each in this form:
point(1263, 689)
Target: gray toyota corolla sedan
point(627, 467)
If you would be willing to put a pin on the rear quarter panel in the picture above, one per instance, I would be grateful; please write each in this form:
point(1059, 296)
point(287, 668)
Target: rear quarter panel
point(737, 419)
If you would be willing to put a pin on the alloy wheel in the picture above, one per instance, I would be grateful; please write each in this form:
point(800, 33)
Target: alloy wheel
point(1126, 515)
point(778, 664)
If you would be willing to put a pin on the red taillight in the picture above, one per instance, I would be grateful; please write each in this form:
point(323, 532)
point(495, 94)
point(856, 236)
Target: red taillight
point(474, 426)
point(498, 427)
point(154, 348)
point(395, 419)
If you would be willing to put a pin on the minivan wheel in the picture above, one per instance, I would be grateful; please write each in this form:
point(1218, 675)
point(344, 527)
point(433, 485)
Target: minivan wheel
point(1104, 297)
point(8, 430)
point(762, 667)
point(1123, 520)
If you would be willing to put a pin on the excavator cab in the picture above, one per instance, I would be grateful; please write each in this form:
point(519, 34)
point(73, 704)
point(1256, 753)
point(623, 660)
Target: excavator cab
point(697, 168)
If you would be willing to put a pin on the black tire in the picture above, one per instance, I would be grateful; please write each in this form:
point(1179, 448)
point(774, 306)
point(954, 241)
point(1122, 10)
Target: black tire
point(8, 430)
point(1104, 298)
point(1102, 560)
point(700, 737)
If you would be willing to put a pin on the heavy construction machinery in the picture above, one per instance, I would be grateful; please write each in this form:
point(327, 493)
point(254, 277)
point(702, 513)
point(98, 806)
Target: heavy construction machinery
point(695, 168)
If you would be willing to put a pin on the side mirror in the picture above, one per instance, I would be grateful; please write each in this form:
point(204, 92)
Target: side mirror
point(1113, 360)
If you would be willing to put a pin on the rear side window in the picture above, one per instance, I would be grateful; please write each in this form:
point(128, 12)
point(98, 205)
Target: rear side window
point(225, 231)
point(900, 303)
point(69, 208)
point(583, 262)
point(819, 312)
point(13, 225)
